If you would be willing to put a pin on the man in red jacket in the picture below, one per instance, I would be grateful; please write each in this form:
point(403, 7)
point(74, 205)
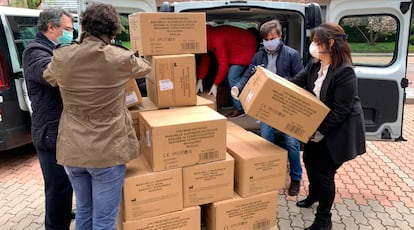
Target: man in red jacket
point(233, 48)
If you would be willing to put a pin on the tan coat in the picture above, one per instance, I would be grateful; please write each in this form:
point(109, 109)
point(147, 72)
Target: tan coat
point(95, 129)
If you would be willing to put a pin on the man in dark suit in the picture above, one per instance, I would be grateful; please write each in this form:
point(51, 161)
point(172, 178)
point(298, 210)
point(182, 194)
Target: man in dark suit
point(55, 27)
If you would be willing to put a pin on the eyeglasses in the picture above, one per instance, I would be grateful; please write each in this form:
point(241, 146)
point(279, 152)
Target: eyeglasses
point(69, 29)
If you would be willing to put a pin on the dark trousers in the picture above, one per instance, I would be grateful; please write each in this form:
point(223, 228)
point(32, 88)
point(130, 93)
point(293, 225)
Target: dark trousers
point(58, 192)
point(321, 175)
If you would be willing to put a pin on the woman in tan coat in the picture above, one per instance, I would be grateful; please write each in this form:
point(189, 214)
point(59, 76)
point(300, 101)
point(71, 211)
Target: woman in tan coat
point(96, 138)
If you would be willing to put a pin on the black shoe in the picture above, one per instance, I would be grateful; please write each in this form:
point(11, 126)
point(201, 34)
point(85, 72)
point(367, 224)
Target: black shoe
point(319, 226)
point(294, 188)
point(236, 113)
point(305, 203)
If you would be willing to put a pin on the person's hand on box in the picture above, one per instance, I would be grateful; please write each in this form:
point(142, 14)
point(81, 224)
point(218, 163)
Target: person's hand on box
point(317, 137)
point(213, 90)
point(235, 92)
point(199, 87)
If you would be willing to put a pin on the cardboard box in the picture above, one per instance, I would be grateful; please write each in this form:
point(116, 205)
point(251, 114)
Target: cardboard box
point(206, 102)
point(235, 128)
point(256, 212)
point(172, 80)
point(147, 194)
point(203, 101)
point(282, 104)
point(186, 219)
point(132, 93)
point(146, 105)
point(210, 182)
point(134, 112)
point(260, 166)
point(156, 33)
point(173, 138)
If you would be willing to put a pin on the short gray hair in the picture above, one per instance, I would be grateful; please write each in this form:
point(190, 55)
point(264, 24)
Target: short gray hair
point(52, 15)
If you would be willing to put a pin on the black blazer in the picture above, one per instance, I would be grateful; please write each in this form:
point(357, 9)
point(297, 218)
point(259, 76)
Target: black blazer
point(46, 100)
point(343, 128)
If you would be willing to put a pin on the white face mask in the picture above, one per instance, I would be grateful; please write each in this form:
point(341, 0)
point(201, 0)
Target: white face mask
point(271, 45)
point(313, 50)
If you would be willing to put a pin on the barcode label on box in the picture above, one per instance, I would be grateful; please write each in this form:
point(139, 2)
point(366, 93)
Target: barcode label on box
point(263, 224)
point(192, 45)
point(207, 156)
point(294, 129)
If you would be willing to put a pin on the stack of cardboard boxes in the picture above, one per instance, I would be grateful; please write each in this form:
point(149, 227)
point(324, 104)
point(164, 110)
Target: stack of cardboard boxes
point(195, 166)
point(183, 162)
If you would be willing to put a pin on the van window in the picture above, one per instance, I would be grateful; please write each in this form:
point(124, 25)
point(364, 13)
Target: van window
point(4, 83)
point(23, 29)
point(373, 39)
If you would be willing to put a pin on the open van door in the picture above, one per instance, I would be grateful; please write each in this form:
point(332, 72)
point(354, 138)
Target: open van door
point(295, 17)
point(123, 6)
point(378, 33)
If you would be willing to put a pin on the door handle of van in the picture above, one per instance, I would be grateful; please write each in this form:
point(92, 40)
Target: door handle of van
point(404, 83)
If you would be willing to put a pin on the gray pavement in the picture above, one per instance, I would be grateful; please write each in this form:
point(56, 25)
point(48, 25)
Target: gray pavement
point(374, 191)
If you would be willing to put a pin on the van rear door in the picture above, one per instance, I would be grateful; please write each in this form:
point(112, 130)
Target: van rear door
point(295, 17)
point(123, 6)
point(378, 33)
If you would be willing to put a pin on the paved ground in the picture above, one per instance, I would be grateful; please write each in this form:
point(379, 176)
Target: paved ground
point(374, 191)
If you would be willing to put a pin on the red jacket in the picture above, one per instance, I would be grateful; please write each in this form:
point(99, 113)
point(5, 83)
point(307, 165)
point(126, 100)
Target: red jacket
point(231, 46)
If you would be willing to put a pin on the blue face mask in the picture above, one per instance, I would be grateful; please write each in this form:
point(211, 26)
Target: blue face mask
point(271, 45)
point(66, 37)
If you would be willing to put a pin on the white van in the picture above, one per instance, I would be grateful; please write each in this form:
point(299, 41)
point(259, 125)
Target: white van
point(378, 32)
point(18, 27)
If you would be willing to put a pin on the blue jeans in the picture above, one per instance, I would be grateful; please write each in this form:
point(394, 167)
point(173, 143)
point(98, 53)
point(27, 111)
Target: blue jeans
point(98, 194)
point(233, 76)
point(292, 146)
point(58, 192)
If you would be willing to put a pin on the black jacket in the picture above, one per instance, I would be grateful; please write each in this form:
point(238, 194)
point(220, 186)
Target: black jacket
point(45, 100)
point(343, 128)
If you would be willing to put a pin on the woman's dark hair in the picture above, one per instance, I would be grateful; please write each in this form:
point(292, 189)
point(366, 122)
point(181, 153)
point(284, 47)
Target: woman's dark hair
point(340, 50)
point(101, 19)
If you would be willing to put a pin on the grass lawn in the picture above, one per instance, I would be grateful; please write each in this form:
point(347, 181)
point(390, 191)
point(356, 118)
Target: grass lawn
point(379, 47)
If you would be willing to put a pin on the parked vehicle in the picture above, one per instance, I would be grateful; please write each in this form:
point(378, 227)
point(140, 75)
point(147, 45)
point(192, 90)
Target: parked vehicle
point(18, 27)
point(378, 31)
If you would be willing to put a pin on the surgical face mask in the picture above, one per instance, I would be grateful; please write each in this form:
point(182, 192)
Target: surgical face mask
point(66, 37)
point(313, 50)
point(271, 45)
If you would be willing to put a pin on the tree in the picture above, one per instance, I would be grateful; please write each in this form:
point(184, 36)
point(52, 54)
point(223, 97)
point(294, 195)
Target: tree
point(31, 4)
point(372, 27)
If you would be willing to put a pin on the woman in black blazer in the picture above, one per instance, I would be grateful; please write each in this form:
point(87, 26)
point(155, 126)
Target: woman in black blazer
point(341, 135)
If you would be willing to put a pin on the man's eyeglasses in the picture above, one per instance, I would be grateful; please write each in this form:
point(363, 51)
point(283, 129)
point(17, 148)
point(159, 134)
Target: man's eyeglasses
point(69, 29)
